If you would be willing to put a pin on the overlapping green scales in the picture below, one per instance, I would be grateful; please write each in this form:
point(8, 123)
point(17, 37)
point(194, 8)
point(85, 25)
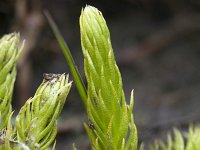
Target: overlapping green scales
point(9, 54)
point(36, 122)
point(106, 107)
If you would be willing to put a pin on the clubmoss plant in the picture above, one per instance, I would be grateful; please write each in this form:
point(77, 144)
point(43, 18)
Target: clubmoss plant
point(111, 124)
point(36, 122)
point(190, 140)
point(111, 119)
point(9, 54)
point(36, 125)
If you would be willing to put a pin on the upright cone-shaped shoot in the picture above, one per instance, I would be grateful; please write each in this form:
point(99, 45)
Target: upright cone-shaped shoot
point(111, 120)
point(36, 122)
point(9, 53)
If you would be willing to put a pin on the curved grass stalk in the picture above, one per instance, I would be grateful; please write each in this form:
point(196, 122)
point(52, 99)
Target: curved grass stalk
point(73, 68)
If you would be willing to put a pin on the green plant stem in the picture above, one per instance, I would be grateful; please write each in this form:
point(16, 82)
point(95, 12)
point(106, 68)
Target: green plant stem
point(75, 73)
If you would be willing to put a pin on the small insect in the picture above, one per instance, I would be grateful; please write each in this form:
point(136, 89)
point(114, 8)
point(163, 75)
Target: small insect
point(50, 76)
point(91, 125)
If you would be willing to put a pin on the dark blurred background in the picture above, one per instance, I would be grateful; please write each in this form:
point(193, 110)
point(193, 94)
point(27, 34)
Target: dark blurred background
point(157, 48)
